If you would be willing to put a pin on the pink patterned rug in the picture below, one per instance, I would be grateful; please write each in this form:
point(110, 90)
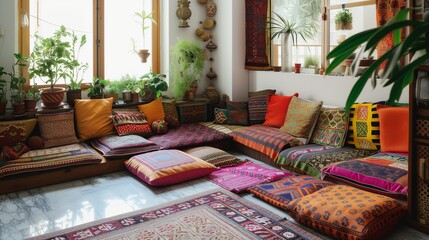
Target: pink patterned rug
point(217, 214)
point(238, 178)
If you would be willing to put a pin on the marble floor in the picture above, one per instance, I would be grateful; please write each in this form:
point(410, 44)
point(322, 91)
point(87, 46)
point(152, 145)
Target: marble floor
point(52, 208)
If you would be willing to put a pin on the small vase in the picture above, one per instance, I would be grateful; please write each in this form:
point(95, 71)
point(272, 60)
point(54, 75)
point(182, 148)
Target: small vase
point(18, 108)
point(127, 96)
point(144, 54)
point(72, 95)
point(297, 68)
point(286, 55)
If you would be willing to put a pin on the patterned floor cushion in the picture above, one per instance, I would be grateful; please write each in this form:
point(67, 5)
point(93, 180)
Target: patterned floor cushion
point(189, 135)
point(345, 212)
point(50, 158)
point(281, 192)
point(268, 140)
point(115, 146)
point(311, 158)
point(384, 173)
point(215, 156)
point(237, 179)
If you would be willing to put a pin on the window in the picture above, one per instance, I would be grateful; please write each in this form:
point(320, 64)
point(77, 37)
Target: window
point(110, 28)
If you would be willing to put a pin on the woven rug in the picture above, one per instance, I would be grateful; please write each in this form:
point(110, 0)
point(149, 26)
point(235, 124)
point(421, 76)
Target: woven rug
point(216, 214)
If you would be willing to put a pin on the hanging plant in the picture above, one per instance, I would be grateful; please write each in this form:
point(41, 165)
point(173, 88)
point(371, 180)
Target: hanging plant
point(343, 20)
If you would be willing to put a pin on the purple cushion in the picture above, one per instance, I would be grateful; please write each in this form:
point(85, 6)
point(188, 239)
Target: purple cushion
point(123, 146)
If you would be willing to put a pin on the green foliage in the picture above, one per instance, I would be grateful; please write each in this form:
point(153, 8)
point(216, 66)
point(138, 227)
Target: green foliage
point(76, 68)
point(416, 44)
point(98, 88)
point(153, 81)
point(280, 25)
point(343, 16)
point(187, 63)
point(17, 81)
point(311, 61)
point(145, 18)
point(32, 94)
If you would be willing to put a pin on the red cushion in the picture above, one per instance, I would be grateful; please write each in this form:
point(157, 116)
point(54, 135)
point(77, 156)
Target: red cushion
point(277, 110)
point(394, 128)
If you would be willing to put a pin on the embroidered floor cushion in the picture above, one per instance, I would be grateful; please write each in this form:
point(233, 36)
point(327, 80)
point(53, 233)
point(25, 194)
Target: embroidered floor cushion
point(257, 109)
point(239, 178)
point(14, 132)
point(166, 167)
point(50, 125)
point(122, 146)
point(215, 156)
point(311, 158)
point(131, 123)
point(384, 173)
point(364, 126)
point(238, 113)
point(281, 192)
point(331, 127)
point(345, 212)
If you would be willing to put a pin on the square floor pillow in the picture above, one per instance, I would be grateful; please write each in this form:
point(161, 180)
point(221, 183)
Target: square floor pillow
point(93, 118)
point(49, 124)
point(122, 146)
point(331, 127)
point(238, 113)
point(214, 156)
point(257, 109)
point(277, 110)
point(344, 212)
point(14, 132)
point(364, 126)
point(131, 123)
point(167, 167)
point(153, 110)
point(281, 192)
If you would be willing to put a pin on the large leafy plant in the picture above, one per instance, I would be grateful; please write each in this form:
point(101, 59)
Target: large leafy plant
point(155, 82)
point(280, 25)
point(414, 46)
point(76, 68)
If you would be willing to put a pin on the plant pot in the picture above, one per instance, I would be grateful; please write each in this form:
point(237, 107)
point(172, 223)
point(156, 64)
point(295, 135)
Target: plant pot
point(297, 68)
point(147, 94)
point(3, 107)
point(344, 26)
point(18, 108)
point(112, 95)
point(30, 105)
point(144, 54)
point(135, 97)
point(127, 96)
point(72, 95)
point(52, 99)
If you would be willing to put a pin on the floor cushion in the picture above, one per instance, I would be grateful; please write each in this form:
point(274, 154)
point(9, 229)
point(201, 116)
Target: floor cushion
point(257, 109)
point(331, 127)
point(345, 212)
point(215, 156)
point(166, 167)
point(49, 125)
point(238, 113)
point(131, 123)
point(364, 126)
point(238, 178)
point(394, 128)
point(277, 110)
point(14, 132)
point(384, 173)
point(114, 146)
point(153, 110)
point(281, 192)
point(311, 158)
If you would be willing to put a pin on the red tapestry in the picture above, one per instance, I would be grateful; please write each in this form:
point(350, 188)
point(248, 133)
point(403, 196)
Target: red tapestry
point(386, 10)
point(257, 38)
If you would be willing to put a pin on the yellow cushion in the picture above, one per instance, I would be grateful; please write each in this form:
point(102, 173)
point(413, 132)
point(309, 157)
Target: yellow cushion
point(93, 118)
point(14, 132)
point(364, 126)
point(153, 110)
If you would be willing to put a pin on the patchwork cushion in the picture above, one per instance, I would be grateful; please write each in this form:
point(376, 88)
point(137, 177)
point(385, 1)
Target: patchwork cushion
point(384, 173)
point(257, 109)
point(331, 127)
point(220, 116)
point(239, 178)
point(238, 113)
point(393, 136)
point(153, 110)
point(364, 126)
point(344, 212)
point(301, 118)
point(93, 118)
point(167, 167)
point(131, 123)
point(14, 132)
point(122, 146)
point(49, 125)
point(265, 92)
point(311, 158)
point(277, 110)
point(215, 156)
point(170, 113)
point(281, 192)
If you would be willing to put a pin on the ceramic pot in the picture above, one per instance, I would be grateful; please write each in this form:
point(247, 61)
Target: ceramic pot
point(18, 108)
point(127, 96)
point(114, 96)
point(30, 105)
point(144, 54)
point(72, 95)
point(286, 56)
point(297, 68)
point(53, 99)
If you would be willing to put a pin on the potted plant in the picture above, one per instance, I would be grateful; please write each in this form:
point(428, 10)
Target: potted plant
point(32, 96)
point(17, 82)
point(413, 46)
point(126, 86)
point(3, 87)
point(112, 91)
point(311, 65)
point(98, 88)
point(145, 20)
point(50, 61)
point(343, 20)
point(151, 86)
point(187, 61)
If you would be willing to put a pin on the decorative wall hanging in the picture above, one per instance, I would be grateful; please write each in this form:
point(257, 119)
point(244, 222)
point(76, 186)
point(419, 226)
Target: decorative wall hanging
point(183, 12)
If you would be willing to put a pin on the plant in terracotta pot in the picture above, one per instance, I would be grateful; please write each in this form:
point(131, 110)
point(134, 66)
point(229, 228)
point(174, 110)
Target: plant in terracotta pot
point(50, 61)
point(32, 96)
point(187, 64)
point(343, 20)
point(3, 88)
point(98, 88)
point(146, 19)
point(151, 86)
point(17, 82)
point(112, 91)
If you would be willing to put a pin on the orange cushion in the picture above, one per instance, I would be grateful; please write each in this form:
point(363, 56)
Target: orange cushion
point(153, 110)
point(394, 128)
point(277, 110)
point(93, 118)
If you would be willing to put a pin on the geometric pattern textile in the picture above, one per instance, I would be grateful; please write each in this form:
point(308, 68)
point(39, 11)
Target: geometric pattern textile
point(216, 214)
point(50, 124)
point(131, 123)
point(331, 127)
point(383, 173)
point(220, 116)
point(281, 192)
point(238, 113)
point(14, 132)
point(123, 146)
point(257, 109)
point(237, 179)
point(215, 156)
point(311, 158)
point(364, 126)
point(170, 111)
point(344, 212)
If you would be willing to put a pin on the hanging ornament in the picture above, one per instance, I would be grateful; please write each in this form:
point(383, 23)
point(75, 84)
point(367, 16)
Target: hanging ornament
point(211, 9)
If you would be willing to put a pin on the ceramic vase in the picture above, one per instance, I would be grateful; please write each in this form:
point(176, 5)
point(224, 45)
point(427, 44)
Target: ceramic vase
point(286, 55)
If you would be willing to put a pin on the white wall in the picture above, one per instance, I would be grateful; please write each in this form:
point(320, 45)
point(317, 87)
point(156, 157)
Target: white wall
point(8, 43)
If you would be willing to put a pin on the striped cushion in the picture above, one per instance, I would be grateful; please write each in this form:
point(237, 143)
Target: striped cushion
point(238, 113)
point(215, 156)
point(122, 146)
point(257, 109)
point(364, 126)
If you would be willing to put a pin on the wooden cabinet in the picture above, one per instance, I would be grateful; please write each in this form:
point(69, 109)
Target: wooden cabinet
point(418, 164)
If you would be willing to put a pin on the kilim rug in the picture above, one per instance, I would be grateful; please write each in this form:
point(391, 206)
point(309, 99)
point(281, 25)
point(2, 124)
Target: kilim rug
point(217, 214)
